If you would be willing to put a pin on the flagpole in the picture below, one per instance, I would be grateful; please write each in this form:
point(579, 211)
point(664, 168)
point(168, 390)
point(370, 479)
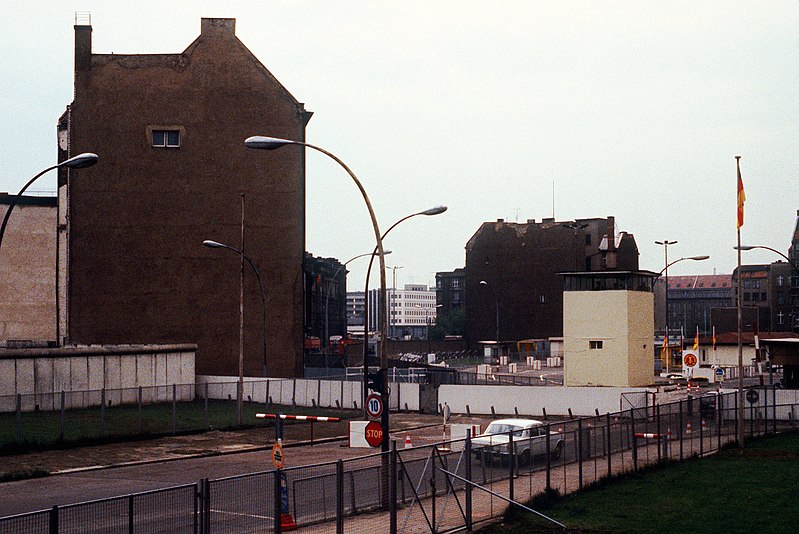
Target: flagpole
point(741, 431)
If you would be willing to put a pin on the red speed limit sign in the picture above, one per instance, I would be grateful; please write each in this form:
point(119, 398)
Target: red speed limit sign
point(374, 406)
point(374, 433)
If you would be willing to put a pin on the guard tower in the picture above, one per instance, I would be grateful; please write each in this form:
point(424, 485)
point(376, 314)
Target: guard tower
point(608, 324)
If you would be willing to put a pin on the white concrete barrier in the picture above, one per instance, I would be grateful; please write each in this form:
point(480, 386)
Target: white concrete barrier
point(358, 435)
point(513, 368)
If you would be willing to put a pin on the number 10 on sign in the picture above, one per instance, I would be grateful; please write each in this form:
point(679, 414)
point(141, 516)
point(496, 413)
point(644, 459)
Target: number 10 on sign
point(374, 406)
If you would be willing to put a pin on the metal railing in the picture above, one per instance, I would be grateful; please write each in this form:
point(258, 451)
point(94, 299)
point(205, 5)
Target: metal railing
point(434, 487)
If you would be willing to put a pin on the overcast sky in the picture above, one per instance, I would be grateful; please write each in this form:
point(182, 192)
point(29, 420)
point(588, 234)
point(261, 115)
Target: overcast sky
point(499, 110)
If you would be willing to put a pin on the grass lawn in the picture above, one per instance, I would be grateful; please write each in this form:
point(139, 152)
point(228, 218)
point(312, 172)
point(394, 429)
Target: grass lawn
point(41, 430)
point(756, 490)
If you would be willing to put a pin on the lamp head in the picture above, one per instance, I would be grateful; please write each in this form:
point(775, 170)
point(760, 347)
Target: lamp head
point(81, 161)
point(744, 247)
point(700, 258)
point(261, 142)
point(213, 244)
point(483, 282)
point(434, 211)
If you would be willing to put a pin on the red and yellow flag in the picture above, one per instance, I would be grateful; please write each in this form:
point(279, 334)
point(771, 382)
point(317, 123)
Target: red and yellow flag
point(696, 339)
point(714, 338)
point(741, 194)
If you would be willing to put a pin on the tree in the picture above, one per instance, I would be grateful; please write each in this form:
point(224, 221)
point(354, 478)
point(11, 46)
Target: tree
point(450, 324)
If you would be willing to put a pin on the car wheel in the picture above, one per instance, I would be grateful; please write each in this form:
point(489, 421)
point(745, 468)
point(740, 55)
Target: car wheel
point(555, 454)
point(524, 459)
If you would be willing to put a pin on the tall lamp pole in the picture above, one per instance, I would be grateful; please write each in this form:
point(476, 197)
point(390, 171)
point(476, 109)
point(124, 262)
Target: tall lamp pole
point(496, 310)
point(81, 161)
point(259, 142)
point(384, 365)
point(665, 243)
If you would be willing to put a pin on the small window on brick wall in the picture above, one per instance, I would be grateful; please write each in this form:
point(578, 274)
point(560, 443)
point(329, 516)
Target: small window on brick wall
point(595, 344)
point(166, 138)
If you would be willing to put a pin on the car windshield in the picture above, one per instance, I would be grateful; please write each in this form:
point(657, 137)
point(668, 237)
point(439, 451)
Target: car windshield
point(504, 428)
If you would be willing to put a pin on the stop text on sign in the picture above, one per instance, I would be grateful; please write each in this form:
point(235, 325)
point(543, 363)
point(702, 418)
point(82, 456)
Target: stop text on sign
point(374, 433)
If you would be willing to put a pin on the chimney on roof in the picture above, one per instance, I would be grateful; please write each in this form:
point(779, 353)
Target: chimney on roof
point(611, 233)
point(83, 41)
point(224, 26)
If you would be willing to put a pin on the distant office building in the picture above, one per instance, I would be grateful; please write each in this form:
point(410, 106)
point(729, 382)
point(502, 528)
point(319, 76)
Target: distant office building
point(692, 301)
point(410, 310)
point(522, 297)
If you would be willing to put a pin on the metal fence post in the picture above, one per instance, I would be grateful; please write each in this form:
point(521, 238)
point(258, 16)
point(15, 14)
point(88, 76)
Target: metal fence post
point(277, 500)
point(340, 496)
point(774, 409)
point(511, 462)
point(53, 523)
point(634, 441)
point(701, 437)
point(468, 488)
point(580, 453)
point(433, 489)
point(138, 413)
point(657, 426)
point(63, 416)
point(18, 422)
point(174, 409)
point(102, 412)
point(392, 488)
point(679, 429)
point(610, 451)
point(549, 459)
point(130, 514)
point(206, 404)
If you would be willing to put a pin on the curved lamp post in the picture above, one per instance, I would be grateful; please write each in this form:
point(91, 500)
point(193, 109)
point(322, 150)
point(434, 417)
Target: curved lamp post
point(431, 211)
point(259, 142)
point(240, 389)
point(496, 308)
point(327, 295)
point(87, 159)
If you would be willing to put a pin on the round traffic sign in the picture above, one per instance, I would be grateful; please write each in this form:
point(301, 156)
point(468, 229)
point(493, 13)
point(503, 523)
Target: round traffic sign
point(719, 372)
point(374, 406)
point(752, 396)
point(374, 433)
point(278, 459)
point(690, 359)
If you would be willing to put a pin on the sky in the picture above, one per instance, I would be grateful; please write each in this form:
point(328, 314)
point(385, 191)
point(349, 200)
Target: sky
point(509, 110)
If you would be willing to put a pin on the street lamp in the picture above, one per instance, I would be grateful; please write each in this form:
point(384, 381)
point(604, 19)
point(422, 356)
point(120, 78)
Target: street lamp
point(81, 161)
point(384, 361)
point(496, 309)
point(666, 270)
point(260, 142)
point(329, 286)
point(427, 320)
point(215, 244)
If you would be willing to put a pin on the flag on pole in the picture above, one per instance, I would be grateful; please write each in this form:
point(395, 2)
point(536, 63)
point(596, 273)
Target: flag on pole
point(664, 353)
point(741, 194)
point(696, 339)
point(714, 338)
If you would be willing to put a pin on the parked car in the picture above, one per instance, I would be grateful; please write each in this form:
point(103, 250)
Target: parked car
point(529, 440)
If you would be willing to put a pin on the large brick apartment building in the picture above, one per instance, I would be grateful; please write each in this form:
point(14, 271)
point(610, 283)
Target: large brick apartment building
point(520, 263)
point(170, 130)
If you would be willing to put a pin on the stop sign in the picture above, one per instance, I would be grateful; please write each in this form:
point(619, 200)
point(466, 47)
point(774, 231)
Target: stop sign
point(374, 433)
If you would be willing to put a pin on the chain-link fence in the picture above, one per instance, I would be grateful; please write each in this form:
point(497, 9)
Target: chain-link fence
point(436, 488)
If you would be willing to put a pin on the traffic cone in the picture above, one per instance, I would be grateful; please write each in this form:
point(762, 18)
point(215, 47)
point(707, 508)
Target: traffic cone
point(688, 428)
point(704, 425)
point(287, 522)
point(408, 443)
